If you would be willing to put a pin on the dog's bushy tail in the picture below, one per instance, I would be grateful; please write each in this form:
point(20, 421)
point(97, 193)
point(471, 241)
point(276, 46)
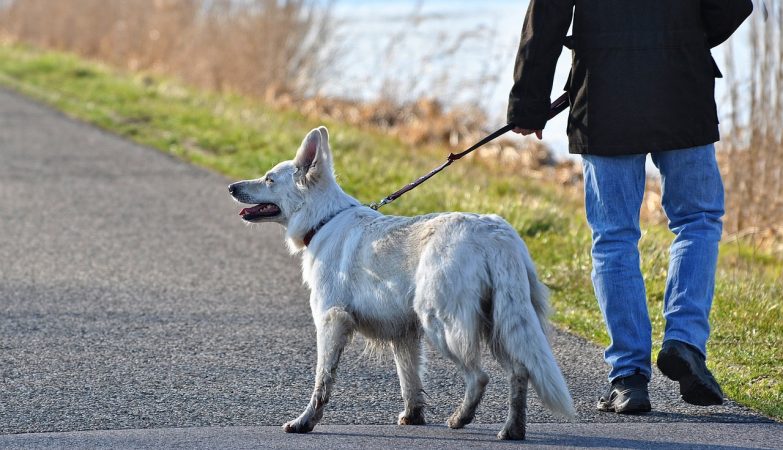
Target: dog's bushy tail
point(520, 328)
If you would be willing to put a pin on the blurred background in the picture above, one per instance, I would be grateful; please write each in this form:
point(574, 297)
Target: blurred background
point(425, 71)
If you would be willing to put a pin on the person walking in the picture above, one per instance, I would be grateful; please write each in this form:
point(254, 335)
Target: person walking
point(642, 81)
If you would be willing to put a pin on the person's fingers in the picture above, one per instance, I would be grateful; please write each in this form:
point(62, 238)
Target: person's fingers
point(525, 132)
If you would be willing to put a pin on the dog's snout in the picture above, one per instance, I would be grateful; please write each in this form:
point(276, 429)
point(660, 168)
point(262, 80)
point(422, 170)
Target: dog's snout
point(232, 188)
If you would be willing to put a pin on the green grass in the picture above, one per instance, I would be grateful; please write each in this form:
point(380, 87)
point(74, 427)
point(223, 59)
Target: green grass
point(242, 138)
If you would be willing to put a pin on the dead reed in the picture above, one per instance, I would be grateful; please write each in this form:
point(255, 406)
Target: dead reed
point(255, 47)
point(751, 153)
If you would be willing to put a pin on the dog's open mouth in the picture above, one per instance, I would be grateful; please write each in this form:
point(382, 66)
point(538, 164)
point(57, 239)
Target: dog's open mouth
point(261, 211)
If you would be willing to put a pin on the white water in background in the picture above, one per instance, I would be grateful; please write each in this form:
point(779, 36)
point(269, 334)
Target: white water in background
point(406, 48)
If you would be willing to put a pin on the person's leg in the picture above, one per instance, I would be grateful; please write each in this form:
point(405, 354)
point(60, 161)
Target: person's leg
point(614, 188)
point(692, 197)
point(693, 200)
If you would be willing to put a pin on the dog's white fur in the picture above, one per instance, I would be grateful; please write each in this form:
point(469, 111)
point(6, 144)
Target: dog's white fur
point(457, 278)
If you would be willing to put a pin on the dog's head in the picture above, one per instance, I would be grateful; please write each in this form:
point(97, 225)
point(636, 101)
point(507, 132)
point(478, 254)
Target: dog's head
point(285, 189)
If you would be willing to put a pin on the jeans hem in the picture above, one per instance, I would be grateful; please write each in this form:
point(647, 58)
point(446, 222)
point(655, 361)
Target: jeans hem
point(627, 373)
point(685, 341)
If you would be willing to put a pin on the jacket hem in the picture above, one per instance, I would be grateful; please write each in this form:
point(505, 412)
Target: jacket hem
point(630, 149)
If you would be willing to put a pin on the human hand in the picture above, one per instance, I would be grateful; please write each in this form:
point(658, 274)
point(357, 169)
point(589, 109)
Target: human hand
point(525, 132)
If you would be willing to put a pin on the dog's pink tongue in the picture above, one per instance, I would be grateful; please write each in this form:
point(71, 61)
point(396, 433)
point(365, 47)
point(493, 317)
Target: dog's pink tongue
point(252, 210)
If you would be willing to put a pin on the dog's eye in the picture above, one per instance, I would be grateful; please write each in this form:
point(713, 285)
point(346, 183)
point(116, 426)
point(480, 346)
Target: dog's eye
point(269, 180)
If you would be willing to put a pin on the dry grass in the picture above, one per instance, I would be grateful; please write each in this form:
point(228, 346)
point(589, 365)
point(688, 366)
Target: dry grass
point(255, 47)
point(416, 122)
point(752, 156)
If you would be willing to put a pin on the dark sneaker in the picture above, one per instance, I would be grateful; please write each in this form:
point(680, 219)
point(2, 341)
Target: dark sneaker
point(626, 395)
point(682, 362)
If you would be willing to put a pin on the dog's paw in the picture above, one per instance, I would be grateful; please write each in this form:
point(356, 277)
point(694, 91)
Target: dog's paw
point(457, 421)
point(298, 426)
point(512, 434)
point(414, 418)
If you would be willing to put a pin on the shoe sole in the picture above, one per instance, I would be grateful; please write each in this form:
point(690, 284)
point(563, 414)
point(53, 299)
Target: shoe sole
point(627, 407)
point(693, 389)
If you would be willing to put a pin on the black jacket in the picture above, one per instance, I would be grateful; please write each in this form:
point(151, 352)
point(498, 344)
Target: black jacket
point(642, 78)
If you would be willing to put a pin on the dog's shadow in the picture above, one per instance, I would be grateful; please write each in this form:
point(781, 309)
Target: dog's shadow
point(483, 436)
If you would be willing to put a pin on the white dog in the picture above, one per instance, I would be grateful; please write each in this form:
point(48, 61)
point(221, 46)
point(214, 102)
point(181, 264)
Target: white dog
point(457, 278)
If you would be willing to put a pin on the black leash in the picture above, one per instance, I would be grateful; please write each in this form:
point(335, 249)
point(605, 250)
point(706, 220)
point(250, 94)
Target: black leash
point(556, 108)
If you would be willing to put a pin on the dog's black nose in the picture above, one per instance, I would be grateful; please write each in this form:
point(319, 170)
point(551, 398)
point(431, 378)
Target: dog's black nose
point(231, 189)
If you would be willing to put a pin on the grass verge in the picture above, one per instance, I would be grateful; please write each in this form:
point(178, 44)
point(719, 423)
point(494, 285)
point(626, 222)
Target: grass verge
point(242, 138)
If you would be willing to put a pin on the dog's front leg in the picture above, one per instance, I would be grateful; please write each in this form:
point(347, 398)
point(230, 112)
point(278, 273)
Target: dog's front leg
point(334, 331)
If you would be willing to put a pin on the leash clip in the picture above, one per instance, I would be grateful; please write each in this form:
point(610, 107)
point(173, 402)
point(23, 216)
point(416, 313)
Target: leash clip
point(375, 205)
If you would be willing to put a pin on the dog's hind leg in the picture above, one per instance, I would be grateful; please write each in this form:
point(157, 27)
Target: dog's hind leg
point(514, 427)
point(407, 355)
point(462, 346)
point(475, 383)
point(334, 331)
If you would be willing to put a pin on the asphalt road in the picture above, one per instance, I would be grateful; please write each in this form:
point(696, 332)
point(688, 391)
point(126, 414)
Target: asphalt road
point(132, 297)
point(653, 436)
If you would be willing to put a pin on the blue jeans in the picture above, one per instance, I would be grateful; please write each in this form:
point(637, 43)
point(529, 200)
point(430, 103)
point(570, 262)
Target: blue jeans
point(692, 193)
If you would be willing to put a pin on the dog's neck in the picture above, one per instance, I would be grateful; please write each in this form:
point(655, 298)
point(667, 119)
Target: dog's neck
point(311, 234)
point(323, 206)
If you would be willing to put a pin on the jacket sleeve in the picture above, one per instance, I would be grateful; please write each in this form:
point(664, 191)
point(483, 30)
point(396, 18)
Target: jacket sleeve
point(543, 33)
point(722, 17)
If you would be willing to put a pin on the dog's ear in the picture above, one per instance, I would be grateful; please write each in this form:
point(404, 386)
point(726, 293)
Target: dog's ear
point(313, 159)
point(324, 135)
